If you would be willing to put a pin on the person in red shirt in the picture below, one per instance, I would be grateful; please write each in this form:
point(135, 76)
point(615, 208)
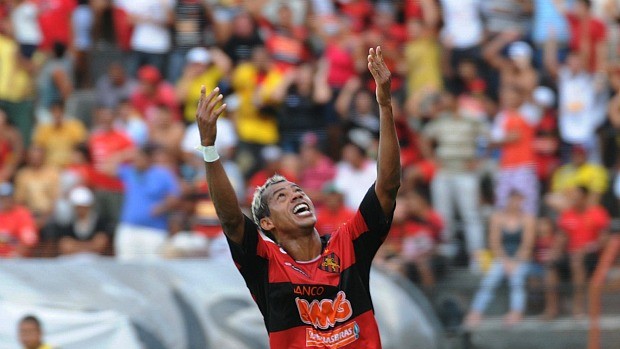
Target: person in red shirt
point(18, 232)
point(108, 146)
point(588, 34)
point(333, 213)
point(312, 291)
point(153, 91)
point(584, 229)
point(55, 22)
point(513, 134)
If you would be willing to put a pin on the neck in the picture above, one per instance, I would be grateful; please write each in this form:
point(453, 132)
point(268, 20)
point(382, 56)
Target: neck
point(302, 248)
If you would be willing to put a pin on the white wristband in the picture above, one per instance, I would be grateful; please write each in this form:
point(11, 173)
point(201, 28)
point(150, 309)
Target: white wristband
point(209, 153)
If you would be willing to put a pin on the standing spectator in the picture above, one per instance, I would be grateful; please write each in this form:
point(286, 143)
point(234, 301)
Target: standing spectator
point(583, 230)
point(151, 193)
point(547, 23)
point(515, 136)
point(16, 85)
point(152, 92)
point(354, 172)
point(190, 23)
point(303, 95)
point(582, 101)
point(333, 213)
point(512, 235)
point(150, 39)
point(204, 67)
point(31, 333)
point(54, 81)
point(24, 17)
point(108, 144)
point(284, 39)
point(456, 180)
point(243, 40)
point(37, 186)
point(55, 22)
point(506, 16)
point(18, 231)
point(463, 31)
point(88, 232)
point(11, 148)
point(82, 21)
point(115, 86)
point(60, 136)
point(316, 170)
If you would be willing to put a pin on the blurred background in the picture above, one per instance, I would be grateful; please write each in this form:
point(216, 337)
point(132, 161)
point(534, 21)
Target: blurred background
point(507, 113)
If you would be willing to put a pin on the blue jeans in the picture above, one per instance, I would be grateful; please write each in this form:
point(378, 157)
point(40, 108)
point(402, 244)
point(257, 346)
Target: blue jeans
point(493, 278)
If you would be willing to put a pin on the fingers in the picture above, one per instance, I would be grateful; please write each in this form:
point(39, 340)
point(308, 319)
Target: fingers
point(220, 110)
point(212, 103)
point(205, 102)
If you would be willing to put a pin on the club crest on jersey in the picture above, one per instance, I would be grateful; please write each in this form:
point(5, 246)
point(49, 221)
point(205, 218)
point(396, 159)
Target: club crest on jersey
point(330, 263)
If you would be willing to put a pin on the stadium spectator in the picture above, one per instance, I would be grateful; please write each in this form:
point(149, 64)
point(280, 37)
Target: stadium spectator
point(115, 86)
point(462, 33)
point(456, 183)
point(512, 235)
point(548, 23)
point(54, 80)
point(332, 213)
point(18, 230)
point(583, 230)
point(165, 131)
point(151, 193)
point(11, 148)
point(285, 40)
point(59, 136)
point(82, 21)
point(79, 172)
point(16, 97)
point(204, 67)
point(546, 141)
point(588, 34)
point(24, 18)
point(244, 38)
point(503, 16)
point(354, 172)
point(88, 233)
point(514, 135)
point(108, 145)
point(152, 92)
point(356, 109)
point(55, 22)
point(150, 39)
point(30, 333)
point(129, 121)
point(316, 168)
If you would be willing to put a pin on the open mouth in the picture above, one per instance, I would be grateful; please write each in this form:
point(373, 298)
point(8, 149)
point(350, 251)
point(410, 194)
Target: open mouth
point(302, 210)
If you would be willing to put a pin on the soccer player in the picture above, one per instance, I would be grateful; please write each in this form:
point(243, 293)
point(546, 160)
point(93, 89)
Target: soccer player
point(313, 291)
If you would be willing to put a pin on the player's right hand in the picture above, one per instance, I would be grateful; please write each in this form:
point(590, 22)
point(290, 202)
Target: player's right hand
point(207, 114)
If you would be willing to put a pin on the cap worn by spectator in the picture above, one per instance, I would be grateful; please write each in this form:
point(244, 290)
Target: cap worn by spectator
point(199, 55)
point(6, 189)
point(519, 49)
point(81, 196)
point(149, 74)
point(544, 96)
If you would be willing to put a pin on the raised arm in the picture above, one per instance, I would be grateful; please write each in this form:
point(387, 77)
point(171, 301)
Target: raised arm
point(388, 162)
point(220, 189)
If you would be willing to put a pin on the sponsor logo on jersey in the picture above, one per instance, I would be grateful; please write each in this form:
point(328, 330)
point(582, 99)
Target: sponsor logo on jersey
point(324, 313)
point(333, 339)
point(330, 263)
point(297, 269)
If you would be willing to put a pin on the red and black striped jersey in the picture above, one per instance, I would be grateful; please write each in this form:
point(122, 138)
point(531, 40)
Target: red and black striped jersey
point(322, 303)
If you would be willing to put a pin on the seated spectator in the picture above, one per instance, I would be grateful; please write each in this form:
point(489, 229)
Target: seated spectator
point(37, 186)
point(545, 255)
point(152, 91)
point(18, 231)
point(11, 148)
point(332, 213)
point(151, 193)
point(514, 135)
point(579, 172)
point(512, 235)
point(354, 172)
point(204, 67)
point(115, 86)
point(88, 233)
point(584, 229)
point(59, 136)
point(31, 333)
point(317, 169)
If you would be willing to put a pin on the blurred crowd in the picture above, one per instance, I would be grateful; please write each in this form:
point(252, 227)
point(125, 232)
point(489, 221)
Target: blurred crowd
point(507, 113)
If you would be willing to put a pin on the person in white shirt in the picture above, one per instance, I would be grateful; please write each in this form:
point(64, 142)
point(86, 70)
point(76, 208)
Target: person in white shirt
point(24, 19)
point(354, 174)
point(463, 29)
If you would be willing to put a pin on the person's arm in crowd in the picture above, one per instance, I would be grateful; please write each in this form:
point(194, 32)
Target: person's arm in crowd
point(494, 237)
point(550, 56)
point(221, 60)
point(98, 244)
point(529, 239)
point(491, 52)
point(279, 92)
point(63, 83)
point(12, 163)
point(345, 97)
point(321, 92)
point(388, 158)
point(221, 190)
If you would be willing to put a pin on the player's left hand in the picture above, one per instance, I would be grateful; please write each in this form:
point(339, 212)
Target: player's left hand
point(381, 74)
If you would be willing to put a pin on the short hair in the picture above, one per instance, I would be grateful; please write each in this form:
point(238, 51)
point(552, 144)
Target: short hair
point(260, 209)
point(31, 318)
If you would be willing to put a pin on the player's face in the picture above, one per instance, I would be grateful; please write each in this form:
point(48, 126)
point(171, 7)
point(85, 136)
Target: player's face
point(289, 207)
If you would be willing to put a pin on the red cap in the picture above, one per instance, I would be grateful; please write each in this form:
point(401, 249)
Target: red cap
point(149, 74)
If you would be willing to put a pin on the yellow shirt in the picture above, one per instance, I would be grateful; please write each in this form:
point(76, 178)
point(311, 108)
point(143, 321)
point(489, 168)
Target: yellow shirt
point(209, 78)
point(593, 177)
point(58, 142)
point(15, 83)
point(252, 126)
point(423, 58)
